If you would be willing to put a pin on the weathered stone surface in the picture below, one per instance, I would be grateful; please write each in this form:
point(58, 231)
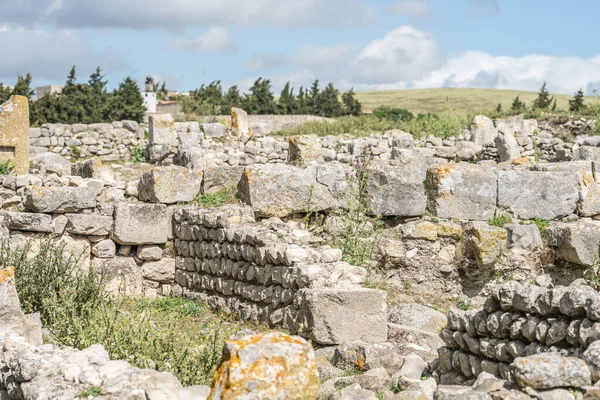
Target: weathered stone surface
point(29, 222)
point(462, 191)
point(89, 224)
point(587, 153)
point(12, 318)
point(137, 224)
point(508, 148)
point(51, 163)
point(122, 276)
point(14, 133)
point(222, 177)
point(533, 194)
point(577, 242)
point(104, 249)
point(483, 130)
point(279, 190)
point(589, 194)
point(304, 149)
point(149, 253)
point(326, 314)
point(526, 237)
point(159, 271)
point(395, 188)
point(548, 371)
point(417, 316)
point(169, 185)
point(79, 248)
point(58, 199)
point(361, 356)
point(266, 366)
point(239, 123)
point(214, 130)
point(485, 242)
point(88, 169)
point(162, 130)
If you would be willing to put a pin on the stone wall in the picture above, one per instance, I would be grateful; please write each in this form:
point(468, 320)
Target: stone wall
point(14, 122)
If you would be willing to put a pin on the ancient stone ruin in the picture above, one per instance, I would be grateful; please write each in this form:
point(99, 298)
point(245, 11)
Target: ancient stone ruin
point(502, 221)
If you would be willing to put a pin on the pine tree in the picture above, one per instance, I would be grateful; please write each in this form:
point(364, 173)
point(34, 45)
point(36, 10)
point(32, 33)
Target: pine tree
point(127, 102)
point(301, 104)
point(231, 99)
point(98, 102)
point(544, 100)
point(313, 98)
point(73, 101)
point(351, 105)
point(499, 108)
point(4, 93)
point(23, 86)
point(260, 100)
point(517, 106)
point(328, 102)
point(577, 104)
point(206, 100)
point(286, 103)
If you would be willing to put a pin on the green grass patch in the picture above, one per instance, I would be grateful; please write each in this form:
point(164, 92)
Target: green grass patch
point(6, 167)
point(223, 196)
point(138, 155)
point(91, 391)
point(500, 220)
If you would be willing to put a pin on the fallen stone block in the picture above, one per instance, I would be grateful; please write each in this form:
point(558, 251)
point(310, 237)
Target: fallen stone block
point(271, 365)
point(214, 130)
point(577, 243)
point(525, 237)
point(88, 169)
point(169, 185)
point(280, 190)
point(333, 316)
point(395, 188)
point(304, 149)
point(532, 194)
point(89, 224)
point(137, 224)
point(483, 130)
point(417, 316)
point(51, 163)
point(59, 199)
point(462, 191)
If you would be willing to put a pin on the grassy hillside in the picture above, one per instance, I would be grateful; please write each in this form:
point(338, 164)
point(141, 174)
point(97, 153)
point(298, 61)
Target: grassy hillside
point(463, 100)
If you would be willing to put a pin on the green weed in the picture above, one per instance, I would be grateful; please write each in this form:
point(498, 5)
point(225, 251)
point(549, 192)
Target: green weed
point(219, 198)
point(138, 155)
point(500, 220)
point(6, 167)
point(464, 304)
point(92, 391)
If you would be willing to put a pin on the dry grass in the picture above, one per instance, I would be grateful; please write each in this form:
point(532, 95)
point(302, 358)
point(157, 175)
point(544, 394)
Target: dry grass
point(462, 100)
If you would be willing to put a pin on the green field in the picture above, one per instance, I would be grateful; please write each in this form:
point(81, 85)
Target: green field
point(462, 100)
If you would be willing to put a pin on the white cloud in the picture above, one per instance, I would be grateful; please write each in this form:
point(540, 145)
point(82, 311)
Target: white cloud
point(179, 14)
point(217, 39)
point(411, 8)
point(49, 56)
point(323, 58)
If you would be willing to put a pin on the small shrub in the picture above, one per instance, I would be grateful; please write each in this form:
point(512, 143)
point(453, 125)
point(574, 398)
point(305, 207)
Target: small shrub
point(138, 155)
point(6, 168)
point(500, 220)
point(393, 114)
point(219, 198)
point(91, 391)
point(464, 304)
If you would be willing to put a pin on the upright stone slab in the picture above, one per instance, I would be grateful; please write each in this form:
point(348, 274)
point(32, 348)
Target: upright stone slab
point(169, 185)
point(395, 188)
point(239, 123)
point(483, 131)
point(333, 316)
point(14, 133)
point(462, 191)
point(138, 223)
point(304, 149)
point(533, 194)
point(162, 130)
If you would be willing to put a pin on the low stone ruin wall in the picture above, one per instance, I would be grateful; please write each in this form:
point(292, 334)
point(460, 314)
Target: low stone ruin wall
point(270, 273)
point(518, 320)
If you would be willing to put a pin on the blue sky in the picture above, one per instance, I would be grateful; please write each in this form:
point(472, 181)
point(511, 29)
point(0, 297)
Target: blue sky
point(365, 44)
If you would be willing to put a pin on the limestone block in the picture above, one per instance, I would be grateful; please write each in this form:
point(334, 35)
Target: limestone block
point(577, 243)
point(507, 146)
point(417, 316)
point(395, 188)
point(12, 318)
point(159, 271)
point(89, 224)
point(29, 222)
point(14, 133)
point(271, 365)
point(587, 153)
point(332, 316)
point(162, 130)
point(88, 168)
point(485, 242)
point(304, 149)
point(51, 163)
point(104, 249)
point(239, 124)
point(222, 177)
point(169, 185)
point(137, 224)
point(77, 247)
point(279, 190)
point(462, 191)
point(547, 371)
point(214, 130)
point(59, 199)
point(121, 276)
point(525, 237)
point(483, 130)
point(533, 194)
point(149, 253)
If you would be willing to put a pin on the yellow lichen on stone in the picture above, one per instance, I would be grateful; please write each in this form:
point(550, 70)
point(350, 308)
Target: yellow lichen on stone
point(14, 133)
point(7, 274)
point(271, 365)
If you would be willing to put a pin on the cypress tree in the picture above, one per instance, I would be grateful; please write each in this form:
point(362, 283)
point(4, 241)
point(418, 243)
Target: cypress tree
point(98, 102)
point(351, 105)
point(313, 98)
point(301, 104)
point(499, 108)
point(23, 86)
point(577, 104)
point(286, 101)
point(328, 102)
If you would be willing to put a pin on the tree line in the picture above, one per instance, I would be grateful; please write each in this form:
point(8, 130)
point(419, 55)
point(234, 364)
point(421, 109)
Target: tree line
point(81, 103)
point(211, 99)
point(545, 102)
